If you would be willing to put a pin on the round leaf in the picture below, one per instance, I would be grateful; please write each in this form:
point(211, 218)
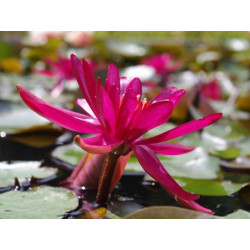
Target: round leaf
point(168, 212)
point(22, 170)
point(40, 203)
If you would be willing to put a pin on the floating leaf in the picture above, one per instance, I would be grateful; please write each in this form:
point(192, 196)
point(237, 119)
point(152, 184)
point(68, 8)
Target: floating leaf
point(123, 208)
point(39, 203)
point(168, 212)
point(229, 153)
point(18, 116)
point(22, 170)
point(110, 215)
point(36, 136)
point(209, 187)
point(126, 49)
point(196, 164)
point(239, 214)
point(241, 164)
point(69, 153)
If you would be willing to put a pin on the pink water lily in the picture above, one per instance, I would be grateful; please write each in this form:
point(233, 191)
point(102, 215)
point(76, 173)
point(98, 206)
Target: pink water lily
point(212, 90)
point(162, 63)
point(120, 118)
point(61, 69)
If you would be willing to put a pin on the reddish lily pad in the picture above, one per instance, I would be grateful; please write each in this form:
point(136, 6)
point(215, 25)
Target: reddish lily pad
point(168, 212)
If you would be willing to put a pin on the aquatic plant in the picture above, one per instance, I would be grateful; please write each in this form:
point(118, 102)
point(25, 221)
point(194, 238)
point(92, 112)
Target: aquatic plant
point(120, 118)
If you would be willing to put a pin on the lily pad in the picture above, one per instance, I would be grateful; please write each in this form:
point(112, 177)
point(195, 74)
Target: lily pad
point(241, 164)
point(22, 170)
point(168, 212)
point(239, 214)
point(209, 187)
point(40, 203)
point(196, 164)
point(18, 116)
point(36, 136)
point(229, 153)
point(69, 153)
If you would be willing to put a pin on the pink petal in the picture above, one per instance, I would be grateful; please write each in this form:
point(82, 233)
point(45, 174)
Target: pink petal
point(126, 111)
point(170, 148)
point(67, 119)
point(97, 144)
point(57, 89)
point(193, 205)
point(86, 81)
point(79, 166)
point(135, 85)
point(171, 93)
point(45, 72)
point(113, 85)
point(95, 94)
point(154, 168)
point(88, 170)
point(124, 82)
point(82, 103)
point(105, 109)
point(181, 130)
point(154, 115)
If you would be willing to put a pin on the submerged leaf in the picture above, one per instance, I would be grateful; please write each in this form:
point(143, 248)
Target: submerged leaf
point(40, 203)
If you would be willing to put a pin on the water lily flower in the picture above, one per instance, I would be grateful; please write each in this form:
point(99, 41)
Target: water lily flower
point(162, 63)
point(62, 70)
point(211, 90)
point(120, 118)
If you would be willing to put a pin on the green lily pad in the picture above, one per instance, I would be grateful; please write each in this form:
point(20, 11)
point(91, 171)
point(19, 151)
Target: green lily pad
point(239, 214)
point(209, 187)
point(229, 153)
point(40, 203)
point(69, 153)
point(18, 116)
point(168, 212)
point(23, 170)
point(196, 164)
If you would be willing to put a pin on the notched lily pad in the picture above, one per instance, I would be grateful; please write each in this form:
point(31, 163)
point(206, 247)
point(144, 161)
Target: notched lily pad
point(22, 171)
point(168, 212)
point(40, 203)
